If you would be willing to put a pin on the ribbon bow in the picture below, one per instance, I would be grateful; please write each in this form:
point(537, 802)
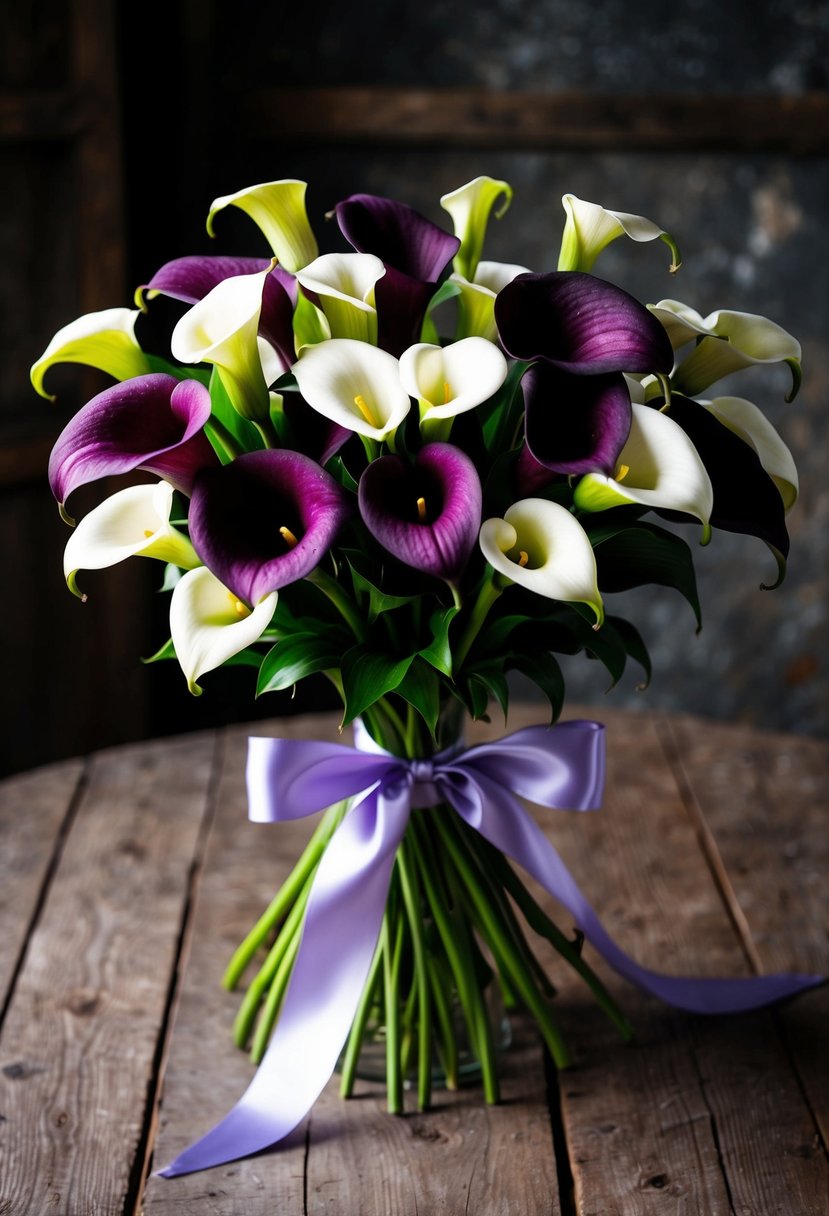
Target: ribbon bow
point(562, 766)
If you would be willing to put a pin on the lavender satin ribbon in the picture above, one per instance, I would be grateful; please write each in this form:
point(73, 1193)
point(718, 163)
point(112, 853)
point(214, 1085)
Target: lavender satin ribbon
point(562, 766)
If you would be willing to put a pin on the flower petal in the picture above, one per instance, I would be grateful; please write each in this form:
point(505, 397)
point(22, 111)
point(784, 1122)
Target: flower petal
point(427, 515)
point(581, 324)
point(589, 228)
point(746, 420)
point(209, 624)
point(353, 384)
point(265, 520)
point(135, 522)
point(575, 424)
point(105, 340)
point(343, 284)
point(397, 234)
point(191, 278)
point(453, 379)
point(152, 422)
point(278, 209)
point(469, 207)
point(476, 301)
point(558, 560)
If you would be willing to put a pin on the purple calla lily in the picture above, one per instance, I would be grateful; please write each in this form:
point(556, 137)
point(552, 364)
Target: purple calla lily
point(417, 255)
point(152, 422)
point(265, 520)
point(580, 324)
point(427, 515)
point(575, 424)
point(310, 432)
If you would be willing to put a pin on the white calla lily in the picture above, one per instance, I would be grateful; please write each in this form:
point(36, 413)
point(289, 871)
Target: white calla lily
point(344, 283)
point(354, 384)
point(451, 380)
point(470, 207)
point(105, 340)
point(278, 209)
point(476, 300)
point(209, 624)
point(222, 329)
point(750, 423)
point(541, 546)
point(725, 342)
point(134, 522)
point(658, 467)
point(589, 228)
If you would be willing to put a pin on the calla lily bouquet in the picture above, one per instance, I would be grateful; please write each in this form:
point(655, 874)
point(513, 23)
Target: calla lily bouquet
point(416, 471)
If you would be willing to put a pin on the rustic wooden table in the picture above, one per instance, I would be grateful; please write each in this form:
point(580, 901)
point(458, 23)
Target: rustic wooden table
point(127, 879)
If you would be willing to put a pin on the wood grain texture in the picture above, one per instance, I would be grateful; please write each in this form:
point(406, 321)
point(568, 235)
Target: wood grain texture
point(78, 1046)
point(476, 117)
point(33, 810)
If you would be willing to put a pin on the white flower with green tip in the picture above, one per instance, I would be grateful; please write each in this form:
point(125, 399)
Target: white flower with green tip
point(278, 210)
point(450, 380)
point(541, 546)
point(476, 301)
point(725, 342)
point(134, 522)
point(470, 207)
point(209, 624)
point(105, 340)
point(355, 385)
point(750, 423)
point(344, 283)
point(658, 467)
point(590, 228)
point(222, 329)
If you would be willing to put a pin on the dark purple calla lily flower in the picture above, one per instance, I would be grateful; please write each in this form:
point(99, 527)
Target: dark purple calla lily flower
point(580, 324)
point(191, 278)
point(265, 520)
point(152, 422)
point(428, 515)
point(575, 424)
point(417, 255)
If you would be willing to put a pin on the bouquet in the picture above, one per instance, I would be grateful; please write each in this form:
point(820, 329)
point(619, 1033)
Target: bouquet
point(416, 471)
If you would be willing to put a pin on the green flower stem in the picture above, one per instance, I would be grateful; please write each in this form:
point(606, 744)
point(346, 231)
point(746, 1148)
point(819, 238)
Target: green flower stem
point(540, 923)
point(392, 940)
point(274, 1000)
point(410, 888)
point(440, 981)
point(497, 937)
point(288, 892)
point(358, 1026)
point(480, 610)
point(264, 977)
point(455, 936)
point(267, 430)
point(346, 607)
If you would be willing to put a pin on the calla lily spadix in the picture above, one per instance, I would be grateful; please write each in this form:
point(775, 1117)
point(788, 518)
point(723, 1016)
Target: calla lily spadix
point(725, 342)
point(209, 624)
point(278, 209)
point(344, 286)
point(451, 380)
point(265, 520)
point(470, 207)
point(590, 228)
point(658, 467)
point(152, 422)
point(355, 385)
point(105, 340)
point(575, 424)
point(428, 514)
point(222, 329)
point(476, 298)
point(541, 546)
point(135, 522)
point(750, 423)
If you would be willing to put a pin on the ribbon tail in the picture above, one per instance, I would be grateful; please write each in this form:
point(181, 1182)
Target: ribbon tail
point(504, 822)
point(342, 925)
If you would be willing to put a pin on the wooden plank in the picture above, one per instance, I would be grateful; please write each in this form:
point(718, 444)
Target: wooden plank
point(25, 457)
point(78, 1046)
point(760, 801)
point(33, 811)
point(452, 1157)
point(38, 115)
point(477, 117)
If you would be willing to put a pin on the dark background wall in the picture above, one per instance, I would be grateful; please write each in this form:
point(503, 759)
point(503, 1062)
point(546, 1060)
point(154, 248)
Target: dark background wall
point(120, 123)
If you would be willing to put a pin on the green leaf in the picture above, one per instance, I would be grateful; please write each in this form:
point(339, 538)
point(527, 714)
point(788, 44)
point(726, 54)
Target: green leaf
point(167, 651)
point(244, 432)
point(446, 291)
point(643, 554)
point(543, 670)
point(632, 641)
point(499, 416)
point(378, 601)
point(202, 374)
point(477, 697)
point(172, 575)
point(293, 658)
point(367, 675)
point(421, 688)
point(438, 652)
point(491, 676)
